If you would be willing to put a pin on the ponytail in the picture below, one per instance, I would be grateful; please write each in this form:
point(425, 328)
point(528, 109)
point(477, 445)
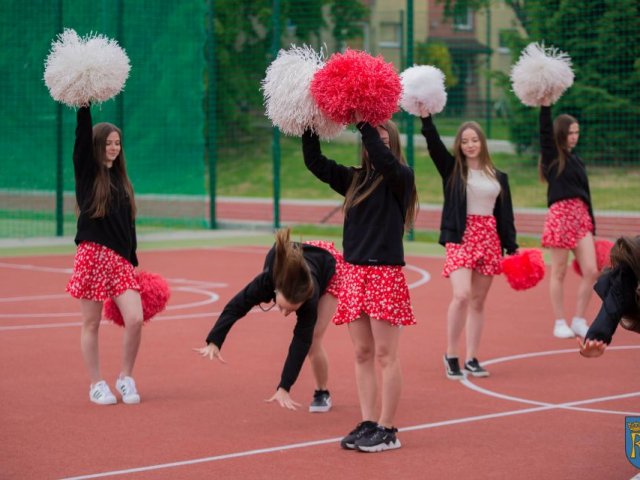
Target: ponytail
point(290, 270)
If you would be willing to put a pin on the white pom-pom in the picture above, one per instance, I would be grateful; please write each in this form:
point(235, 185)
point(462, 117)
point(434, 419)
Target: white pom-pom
point(541, 74)
point(423, 87)
point(287, 94)
point(79, 71)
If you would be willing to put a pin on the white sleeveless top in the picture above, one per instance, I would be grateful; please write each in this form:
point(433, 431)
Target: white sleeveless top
point(482, 191)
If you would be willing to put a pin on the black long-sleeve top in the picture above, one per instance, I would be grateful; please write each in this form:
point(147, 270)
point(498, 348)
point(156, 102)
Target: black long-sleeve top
point(262, 290)
point(617, 289)
point(116, 230)
point(454, 211)
point(373, 229)
point(573, 181)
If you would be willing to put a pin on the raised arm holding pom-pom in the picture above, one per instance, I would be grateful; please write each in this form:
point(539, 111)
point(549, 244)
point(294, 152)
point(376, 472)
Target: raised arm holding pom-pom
point(380, 204)
point(476, 227)
point(569, 224)
point(106, 255)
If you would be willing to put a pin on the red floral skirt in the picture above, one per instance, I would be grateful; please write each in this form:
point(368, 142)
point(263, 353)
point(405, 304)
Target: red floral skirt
point(379, 291)
point(480, 249)
point(567, 222)
point(100, 273)
point(336, 281)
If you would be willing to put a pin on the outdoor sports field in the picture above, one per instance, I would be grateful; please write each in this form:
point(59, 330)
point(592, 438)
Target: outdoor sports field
point(545, 412)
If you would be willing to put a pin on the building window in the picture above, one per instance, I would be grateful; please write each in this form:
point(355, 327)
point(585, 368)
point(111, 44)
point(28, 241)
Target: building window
point(463, 20)
point(390, 35)
point(504, 39)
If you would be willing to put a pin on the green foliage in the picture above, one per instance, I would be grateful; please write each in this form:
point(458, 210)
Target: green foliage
point(602, 37)
point(347, 16)
point(437, 53)
point(244, 46)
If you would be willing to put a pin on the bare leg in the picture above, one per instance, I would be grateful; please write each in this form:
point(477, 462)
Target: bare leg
point(131, 309)
point(386, 338)
point(363, 345)
point(559, 258)
point(585, 252)
point(480, 285)
point(317, 355)
point(91, 315)
point(458, 309)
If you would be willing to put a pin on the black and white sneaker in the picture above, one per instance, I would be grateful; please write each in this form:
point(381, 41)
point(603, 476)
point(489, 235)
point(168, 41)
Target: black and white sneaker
point(474, 368)
point(363, 428)
point(321, 402)
point(452, 368)
point(378, 440)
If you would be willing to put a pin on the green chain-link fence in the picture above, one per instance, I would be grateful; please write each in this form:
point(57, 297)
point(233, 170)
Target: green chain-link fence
point(193, 104)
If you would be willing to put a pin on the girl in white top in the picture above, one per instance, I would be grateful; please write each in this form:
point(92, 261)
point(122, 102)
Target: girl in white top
point(476, 227)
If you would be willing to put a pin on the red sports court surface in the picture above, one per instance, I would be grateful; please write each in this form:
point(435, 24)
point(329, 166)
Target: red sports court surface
point(545, 412)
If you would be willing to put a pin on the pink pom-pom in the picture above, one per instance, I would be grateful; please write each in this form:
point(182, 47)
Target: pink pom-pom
point(154, 294)
point(525, 269)
point(355, 81)
point(603, 250)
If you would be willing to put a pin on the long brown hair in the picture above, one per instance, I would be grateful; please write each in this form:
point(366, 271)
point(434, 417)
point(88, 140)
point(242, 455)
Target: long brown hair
point(626, 250)
point(357, 193)
point(460, 167)
point(290, 271)
point(561, 126)
point(102, 188)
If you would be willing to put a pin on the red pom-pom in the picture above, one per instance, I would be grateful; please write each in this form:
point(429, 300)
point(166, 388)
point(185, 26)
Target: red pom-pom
point(154, 294)
point(355, 81)
point(603, 250)
point(525, 269)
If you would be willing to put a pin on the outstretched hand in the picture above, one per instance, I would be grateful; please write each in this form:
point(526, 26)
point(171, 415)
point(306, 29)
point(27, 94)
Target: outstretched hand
point(211, 351)
point(591, 348)
point(284, 399)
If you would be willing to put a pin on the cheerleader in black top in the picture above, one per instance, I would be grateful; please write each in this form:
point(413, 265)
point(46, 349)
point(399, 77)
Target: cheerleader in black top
point(477, 226)
point(380, 202)
point(619, 289)
point(304, 278)
point(570, 224)
point(106, 255)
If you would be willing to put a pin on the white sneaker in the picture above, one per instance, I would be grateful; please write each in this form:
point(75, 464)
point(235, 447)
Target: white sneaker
point(579, 326)
point(127, 388)
point(562, 330)
point(101, 394)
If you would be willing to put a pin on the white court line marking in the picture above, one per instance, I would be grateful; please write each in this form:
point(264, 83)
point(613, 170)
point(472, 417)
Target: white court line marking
point(467, 383)
point(425, 426)
point(212, 298)
point(34, 297)
point(425, 277)
point(36, 268)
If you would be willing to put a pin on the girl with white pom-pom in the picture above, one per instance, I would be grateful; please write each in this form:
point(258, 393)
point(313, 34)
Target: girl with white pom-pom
point(106, 255)
point(539, 78)
point(477, 225)
point(570, 224)
point(79, 72)
point(380, 203)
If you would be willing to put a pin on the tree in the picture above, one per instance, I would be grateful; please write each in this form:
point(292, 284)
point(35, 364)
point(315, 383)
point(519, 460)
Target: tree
point(603, 39)
point(243, 32)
